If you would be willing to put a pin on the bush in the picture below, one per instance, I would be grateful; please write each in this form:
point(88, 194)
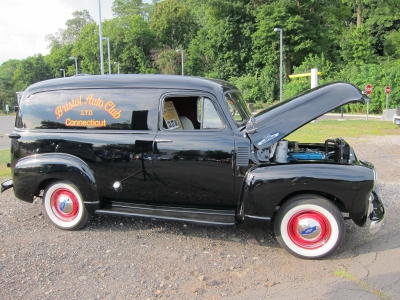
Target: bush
point(257, 89)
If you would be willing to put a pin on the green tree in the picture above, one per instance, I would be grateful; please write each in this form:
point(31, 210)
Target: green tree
point(381, 20)
point(131, 43)
point(258, 88)
point(173, 24)
point(7, 91)
point(59, 58)
point(168, 62)
point(309, 27)
point(356, 46)
point(222, 46)
point(86, 48)
point(297, 85)
point(69, 35)
point(128, 8)
point(31, 70)
point(392, 44)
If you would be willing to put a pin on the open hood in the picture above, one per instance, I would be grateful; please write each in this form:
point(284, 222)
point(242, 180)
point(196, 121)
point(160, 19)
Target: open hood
point(278, 121)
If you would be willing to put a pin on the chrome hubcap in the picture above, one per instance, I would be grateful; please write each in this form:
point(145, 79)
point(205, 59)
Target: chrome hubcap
point(64, 205)
point(309, 229)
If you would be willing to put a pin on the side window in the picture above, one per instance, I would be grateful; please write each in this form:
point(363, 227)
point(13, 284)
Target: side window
point(88, 109)
point(190, 113)
point(208, 114)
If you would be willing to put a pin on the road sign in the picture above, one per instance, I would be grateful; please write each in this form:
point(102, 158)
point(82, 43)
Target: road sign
point(387, 91)
point(368, 89)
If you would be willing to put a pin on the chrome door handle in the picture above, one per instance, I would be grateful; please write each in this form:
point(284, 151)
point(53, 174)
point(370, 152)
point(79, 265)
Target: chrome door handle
point(163, 141)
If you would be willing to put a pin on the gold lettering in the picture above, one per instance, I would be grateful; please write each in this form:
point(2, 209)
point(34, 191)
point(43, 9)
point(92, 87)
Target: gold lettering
point(58, 112)
point(93, 101)
point(110, 108)
point(86, 123)
point(86, 112)
point(68, 106)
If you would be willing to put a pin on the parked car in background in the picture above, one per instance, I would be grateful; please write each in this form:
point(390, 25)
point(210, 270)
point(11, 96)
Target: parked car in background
point(396, 117)
point(199, 157)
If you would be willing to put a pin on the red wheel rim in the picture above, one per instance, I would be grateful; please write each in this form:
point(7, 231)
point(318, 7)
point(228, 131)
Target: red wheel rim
point(64, 204)
point(309, 229)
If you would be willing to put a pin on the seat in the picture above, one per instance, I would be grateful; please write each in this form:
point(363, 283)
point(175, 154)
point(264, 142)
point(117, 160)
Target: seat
point(186, 123)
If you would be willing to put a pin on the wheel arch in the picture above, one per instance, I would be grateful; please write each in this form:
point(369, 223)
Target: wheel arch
point(337, 202)
point(33, 173)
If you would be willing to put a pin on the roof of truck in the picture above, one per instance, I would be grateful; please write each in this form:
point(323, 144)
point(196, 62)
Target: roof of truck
point(132, 81)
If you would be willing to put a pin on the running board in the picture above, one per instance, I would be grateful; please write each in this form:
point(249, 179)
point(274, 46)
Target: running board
point(212, 217)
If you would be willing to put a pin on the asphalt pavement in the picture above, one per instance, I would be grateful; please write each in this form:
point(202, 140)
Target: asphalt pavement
point(6, 127)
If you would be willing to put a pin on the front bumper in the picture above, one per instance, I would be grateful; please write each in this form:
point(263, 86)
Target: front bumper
point(6, 185)
point(376, 213)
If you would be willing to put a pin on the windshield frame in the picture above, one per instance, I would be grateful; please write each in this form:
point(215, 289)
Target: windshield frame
point(234, 100)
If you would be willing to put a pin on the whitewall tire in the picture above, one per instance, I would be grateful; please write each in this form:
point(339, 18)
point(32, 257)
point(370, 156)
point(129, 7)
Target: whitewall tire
point(309, 226)
point(64, 206)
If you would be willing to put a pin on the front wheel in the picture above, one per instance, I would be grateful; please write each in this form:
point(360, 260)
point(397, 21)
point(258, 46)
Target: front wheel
point(64, 207)
point(309, 226)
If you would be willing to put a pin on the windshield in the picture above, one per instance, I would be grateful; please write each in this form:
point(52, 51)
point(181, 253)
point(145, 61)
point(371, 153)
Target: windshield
point(237, 107)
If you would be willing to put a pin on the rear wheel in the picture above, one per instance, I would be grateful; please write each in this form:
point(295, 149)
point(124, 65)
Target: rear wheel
point(64, 207)
point(309, 226)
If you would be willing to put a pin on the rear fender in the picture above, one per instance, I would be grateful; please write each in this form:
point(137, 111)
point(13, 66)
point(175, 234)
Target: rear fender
point(32, 172)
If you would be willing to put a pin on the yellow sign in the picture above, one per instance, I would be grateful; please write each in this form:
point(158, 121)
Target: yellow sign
point(302, 75)
point(171, 116)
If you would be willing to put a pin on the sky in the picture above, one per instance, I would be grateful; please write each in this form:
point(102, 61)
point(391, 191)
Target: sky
point(25, 23)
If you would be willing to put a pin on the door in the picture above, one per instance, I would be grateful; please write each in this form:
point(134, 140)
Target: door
point(192, 161)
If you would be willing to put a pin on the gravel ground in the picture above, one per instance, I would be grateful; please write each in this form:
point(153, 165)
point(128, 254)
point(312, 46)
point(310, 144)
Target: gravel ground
point(122, 258)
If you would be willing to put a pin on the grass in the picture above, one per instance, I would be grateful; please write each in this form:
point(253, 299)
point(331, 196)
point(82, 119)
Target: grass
point(344, 274)
point(2, 113)
point(321, 130)
point(4, 159)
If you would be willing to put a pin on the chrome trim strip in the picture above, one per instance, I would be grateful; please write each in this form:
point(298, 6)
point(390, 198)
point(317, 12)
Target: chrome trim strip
point(163, 141)
point(242, 156)
point(156, 217)
point(117, 205)
point(258, 218)
point(91, 202)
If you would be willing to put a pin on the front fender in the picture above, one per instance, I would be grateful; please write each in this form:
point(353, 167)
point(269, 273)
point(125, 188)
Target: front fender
point(267, 187)
point(31, 171)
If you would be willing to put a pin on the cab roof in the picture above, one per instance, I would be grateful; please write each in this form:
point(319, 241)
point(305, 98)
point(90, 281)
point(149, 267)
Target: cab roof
point(153, 81)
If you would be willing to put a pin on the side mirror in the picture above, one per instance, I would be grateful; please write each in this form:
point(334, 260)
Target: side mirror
point(16, 108)
point(251, 125)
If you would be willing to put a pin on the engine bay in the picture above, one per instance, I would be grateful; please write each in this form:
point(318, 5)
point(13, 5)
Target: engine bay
point(332, 150)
